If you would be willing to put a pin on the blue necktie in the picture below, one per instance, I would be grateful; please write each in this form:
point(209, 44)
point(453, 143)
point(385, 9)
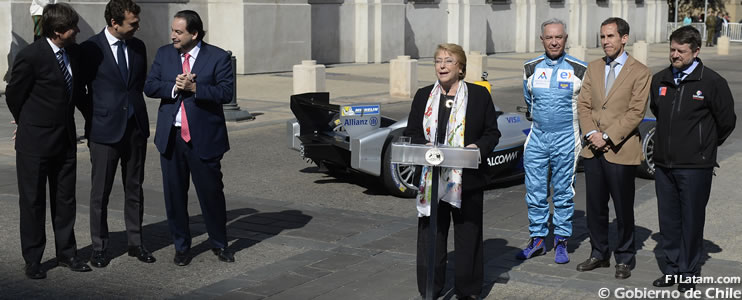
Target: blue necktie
point(121, 57)
point(124, 70)
point(65, 72)
point(678, 77)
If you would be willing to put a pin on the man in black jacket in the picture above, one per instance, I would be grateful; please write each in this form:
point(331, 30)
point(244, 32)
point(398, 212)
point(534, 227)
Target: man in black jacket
point(44, 89)
point(695, 114)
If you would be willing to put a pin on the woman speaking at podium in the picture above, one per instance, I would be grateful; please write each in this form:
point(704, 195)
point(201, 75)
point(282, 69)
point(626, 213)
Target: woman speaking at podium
point(453, 113)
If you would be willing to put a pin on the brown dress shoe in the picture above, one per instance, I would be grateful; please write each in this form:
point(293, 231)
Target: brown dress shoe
point(592, 263)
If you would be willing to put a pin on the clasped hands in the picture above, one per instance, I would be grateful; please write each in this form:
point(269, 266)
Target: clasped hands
point(597, 142)
point(186, 82)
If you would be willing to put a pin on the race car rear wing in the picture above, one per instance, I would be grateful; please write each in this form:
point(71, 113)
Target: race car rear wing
point(314, 112)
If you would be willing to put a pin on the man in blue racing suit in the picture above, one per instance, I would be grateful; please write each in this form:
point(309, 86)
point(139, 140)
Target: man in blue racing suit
point(551, 83)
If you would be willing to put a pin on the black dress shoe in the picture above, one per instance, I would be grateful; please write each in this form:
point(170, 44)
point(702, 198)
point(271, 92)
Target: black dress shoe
point(664, 281)
point(141, 254)
point(623, 271)
point(592, 263)
point(99, 259)
point(224, 254)
point(182, 258)
point(682, 287)
point(34, 271)
point(73, 264)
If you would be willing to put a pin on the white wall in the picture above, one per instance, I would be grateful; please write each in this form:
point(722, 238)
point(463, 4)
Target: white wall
point(500, 27)
point(273, 35)
point(426, 26)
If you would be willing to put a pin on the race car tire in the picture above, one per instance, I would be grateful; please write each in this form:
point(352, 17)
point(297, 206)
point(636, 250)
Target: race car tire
point(646, 168)
point(397, 179)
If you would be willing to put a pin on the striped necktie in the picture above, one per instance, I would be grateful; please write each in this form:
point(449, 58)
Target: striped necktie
point(65, 72)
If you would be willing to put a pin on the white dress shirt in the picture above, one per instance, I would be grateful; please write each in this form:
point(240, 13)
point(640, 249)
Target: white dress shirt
point(114, 48)
point(621, 60)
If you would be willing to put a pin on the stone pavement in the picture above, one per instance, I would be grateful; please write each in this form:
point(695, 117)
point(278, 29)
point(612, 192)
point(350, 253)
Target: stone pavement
point(290, 250)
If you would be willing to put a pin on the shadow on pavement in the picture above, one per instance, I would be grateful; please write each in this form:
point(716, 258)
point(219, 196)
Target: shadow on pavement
point(372, 184)
point(708, 247)
point(498, 249)
point(499, 259)
point(245, 228)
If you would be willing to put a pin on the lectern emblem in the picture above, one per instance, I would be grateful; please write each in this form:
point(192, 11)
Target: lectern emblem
point(434, 156)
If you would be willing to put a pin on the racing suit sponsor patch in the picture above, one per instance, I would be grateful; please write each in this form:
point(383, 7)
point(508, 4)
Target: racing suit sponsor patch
point(663, 90)
point(565, 74)
point(565, 85)
point(698, 95)
point(542, 78)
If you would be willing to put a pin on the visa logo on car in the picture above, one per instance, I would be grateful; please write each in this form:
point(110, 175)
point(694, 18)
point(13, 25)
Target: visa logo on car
point(502, 158)
point(513, 119)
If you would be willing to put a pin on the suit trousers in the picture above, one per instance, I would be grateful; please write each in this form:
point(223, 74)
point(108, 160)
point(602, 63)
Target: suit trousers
point(682, 195)
point(33, 173)
point(604, 179)
point(131, 152)
point(178, 163)
point(469, 253)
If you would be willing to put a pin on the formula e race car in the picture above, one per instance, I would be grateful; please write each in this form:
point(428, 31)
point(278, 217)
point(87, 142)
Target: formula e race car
point(358, 137)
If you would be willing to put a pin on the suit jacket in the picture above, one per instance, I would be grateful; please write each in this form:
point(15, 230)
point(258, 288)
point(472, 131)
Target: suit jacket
point(619, 113)
point(109, 94)
point(214, 87)
point(38, 99)
point(481, 129)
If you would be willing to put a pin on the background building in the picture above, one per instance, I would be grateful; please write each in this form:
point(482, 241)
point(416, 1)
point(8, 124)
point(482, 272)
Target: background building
point(273, 35)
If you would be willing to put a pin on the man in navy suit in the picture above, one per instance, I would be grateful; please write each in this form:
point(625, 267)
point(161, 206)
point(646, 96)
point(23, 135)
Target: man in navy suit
point(45, 86)
point(116, 64)
point(193, 79)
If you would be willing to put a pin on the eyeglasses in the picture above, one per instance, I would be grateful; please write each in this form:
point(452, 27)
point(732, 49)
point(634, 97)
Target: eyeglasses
point(447, 62)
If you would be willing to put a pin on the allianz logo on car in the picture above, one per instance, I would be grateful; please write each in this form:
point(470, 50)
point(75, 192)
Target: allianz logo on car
point(502, 158)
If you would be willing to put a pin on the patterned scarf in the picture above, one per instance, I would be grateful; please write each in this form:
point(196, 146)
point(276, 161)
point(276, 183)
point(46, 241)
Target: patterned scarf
point(449, 186)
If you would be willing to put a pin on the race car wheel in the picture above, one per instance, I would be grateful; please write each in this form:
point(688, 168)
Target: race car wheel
point(397, 179)
point(646, 168)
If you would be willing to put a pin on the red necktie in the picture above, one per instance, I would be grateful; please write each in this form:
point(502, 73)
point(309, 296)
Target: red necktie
point(185, 133)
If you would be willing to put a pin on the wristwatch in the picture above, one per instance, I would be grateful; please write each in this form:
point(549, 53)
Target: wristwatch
point(605, 136)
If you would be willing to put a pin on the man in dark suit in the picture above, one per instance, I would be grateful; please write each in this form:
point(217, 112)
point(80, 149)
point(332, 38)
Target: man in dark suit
point(193, 79)
point(43, 91)
point(610, 106)
point(116, 62)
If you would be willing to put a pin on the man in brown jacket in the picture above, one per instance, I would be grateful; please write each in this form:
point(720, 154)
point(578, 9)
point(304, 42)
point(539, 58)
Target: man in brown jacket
point(610, 106)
